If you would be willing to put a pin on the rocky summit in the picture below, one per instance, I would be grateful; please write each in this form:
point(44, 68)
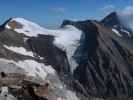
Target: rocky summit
point(81, 60)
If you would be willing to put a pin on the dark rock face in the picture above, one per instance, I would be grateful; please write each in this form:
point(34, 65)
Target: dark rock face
point(111, 20)
point(20, 89)
point(105, 62)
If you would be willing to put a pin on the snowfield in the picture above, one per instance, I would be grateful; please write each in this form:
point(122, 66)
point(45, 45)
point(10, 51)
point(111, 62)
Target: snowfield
point(29, 28)
point(69, 95)
point(116, 32)
point(20, 50)
point(128, 33)
point(4, 95)
point(31, 68)
point(66, 39)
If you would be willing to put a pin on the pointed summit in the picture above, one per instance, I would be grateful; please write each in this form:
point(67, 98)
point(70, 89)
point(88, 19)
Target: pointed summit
point(2, 27)
point(111, 20)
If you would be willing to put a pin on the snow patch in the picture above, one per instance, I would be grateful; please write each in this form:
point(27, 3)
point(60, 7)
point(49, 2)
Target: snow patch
point(125, 31)
point(4, 90)
point(33, 68)
point(71, 95)
point(117, 33)
point(20, 50)
point(4, 95)
point(8, 27)
point(59, 98)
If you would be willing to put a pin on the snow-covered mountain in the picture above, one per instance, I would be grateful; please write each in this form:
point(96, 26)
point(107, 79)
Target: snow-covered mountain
point(81, 60)
point(66, 38)
point(19, 56)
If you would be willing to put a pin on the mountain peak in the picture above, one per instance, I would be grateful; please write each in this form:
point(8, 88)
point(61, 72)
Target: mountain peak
point(2, 27)
point(111, 19)
point(17, 23)
point(22, 25)
point(114, 21)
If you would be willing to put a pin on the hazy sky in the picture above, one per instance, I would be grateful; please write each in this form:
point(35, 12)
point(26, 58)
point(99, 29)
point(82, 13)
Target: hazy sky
point(52, 12)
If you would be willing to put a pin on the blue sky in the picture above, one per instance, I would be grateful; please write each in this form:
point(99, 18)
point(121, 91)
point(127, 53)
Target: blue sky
point(52, 12)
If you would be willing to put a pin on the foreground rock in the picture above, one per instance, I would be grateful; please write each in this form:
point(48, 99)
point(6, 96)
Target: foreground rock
point(20, 87)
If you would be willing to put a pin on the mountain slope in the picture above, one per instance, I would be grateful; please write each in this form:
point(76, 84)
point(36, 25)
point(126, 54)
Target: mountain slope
point(105, 61)
point(94, 59)
point(18, 56)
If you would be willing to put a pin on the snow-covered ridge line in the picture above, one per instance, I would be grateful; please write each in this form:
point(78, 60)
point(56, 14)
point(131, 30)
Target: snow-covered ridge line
point(66, 39)
point(28, 28)
point(20, 50)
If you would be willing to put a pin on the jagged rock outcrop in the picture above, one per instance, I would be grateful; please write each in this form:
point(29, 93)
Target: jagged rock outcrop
point(21, 87)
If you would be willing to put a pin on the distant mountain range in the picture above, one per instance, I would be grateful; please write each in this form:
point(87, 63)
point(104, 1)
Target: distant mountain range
point(81, 60)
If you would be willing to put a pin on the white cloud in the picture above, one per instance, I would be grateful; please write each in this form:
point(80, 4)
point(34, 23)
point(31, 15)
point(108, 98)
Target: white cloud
point(58, 9)
point(127, 11)
point(108, 8)
point(126, 15)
